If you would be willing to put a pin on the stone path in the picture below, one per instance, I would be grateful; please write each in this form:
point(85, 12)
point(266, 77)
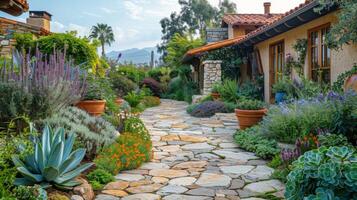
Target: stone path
point(194, 159)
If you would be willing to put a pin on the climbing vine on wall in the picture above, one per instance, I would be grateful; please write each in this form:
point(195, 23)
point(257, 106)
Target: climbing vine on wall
point(231, 61)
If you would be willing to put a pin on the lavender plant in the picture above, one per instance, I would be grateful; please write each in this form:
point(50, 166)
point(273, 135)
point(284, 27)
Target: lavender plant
point(52, 77)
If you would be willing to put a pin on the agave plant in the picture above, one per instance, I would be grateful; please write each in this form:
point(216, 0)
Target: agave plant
point(52, 161)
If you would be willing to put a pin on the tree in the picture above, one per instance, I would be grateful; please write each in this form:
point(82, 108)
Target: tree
point(104, 34)
point(224, 7)
point(345, 30)
point(177, 47)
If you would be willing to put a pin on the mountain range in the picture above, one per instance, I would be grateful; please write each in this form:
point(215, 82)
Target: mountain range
point(135, 55)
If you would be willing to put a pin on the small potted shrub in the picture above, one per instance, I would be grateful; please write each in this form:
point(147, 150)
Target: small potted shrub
point(250, 113)
point(93, 101)
point(281, 89)
point(119, 101)
point(215, 92)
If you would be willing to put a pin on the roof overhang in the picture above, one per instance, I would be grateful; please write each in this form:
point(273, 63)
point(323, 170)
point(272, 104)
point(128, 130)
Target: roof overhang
point(14, 7)
point(199, 51)
point(291, 21)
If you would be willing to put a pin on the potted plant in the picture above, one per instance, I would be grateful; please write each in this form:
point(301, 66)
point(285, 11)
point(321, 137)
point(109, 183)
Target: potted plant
point(281, 89)
point(93, 100)
point(250, 113)
point(215, 91)
point(119, 101)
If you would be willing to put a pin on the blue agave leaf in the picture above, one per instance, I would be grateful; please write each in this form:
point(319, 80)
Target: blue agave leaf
point(39, 155)
point(17, 162)
point(78, 156)
point(56, 156)
point(23, 181)
point(70, 184)
point(57, 138)
point(31, 164)
point(50, 174)
point(72, 174)
point(30, 176)
point(46, 144)
point(68, 145)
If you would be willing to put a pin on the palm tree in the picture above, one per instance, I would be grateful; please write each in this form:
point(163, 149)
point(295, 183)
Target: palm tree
point(104, 34)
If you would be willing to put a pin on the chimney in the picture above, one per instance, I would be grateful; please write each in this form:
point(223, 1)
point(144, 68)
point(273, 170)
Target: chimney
point(267, 8)
point(40, 19)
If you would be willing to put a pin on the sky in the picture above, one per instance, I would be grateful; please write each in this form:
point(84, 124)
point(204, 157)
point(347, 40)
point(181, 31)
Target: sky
point(135, 22)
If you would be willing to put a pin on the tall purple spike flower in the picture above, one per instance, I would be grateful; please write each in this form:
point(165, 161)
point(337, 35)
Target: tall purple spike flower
point(54, 77)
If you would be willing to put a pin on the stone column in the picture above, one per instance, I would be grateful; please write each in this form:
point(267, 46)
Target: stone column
point(212, 74)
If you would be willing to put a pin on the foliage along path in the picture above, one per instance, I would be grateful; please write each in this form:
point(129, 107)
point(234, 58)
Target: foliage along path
point(194, 159)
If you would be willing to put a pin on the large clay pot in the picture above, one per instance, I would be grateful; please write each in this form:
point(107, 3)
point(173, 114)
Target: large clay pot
point(93, 107)
point(119, 101)
point(249, 118)
point(215, 95)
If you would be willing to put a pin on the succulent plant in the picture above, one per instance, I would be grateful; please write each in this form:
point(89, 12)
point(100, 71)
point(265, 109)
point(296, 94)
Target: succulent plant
point(324, 173)
point(52, 162)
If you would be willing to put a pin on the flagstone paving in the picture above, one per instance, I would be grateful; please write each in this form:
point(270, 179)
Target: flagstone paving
point(193, 159)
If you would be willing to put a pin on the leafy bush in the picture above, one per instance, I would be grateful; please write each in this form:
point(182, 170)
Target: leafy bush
point(153, 85)
point(247, 104)
point(155, 73)
point(283, 85)
point(324, 173)
point(53, 83)
point(99, 178)
point(230, 107)
point(129, 152)
point(208, 109)
point(251, 90)
point(306, 89)
point(229, 91)
point(93, 132)
point(132, 72)
point(121, 84)
point(135, 126)
point(133, 99)
point(191, 107)
point(329, 140)
point(52, 162)
point(181, 90)
point(287, 122)
point(150, 101)
point(30, 193)
point(251, 141)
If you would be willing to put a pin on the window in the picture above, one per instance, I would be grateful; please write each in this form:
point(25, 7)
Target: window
point(277, 61)
point(319, 55)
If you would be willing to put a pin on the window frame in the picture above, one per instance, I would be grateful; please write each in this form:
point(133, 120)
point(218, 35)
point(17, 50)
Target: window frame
point(320, 50)
point(273, 75)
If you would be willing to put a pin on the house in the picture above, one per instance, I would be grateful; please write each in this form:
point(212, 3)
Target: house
point(38, 23)
point(271, 43)
point(14, 7)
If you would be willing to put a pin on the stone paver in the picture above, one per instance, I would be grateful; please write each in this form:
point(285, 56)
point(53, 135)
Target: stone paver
point(193, 159)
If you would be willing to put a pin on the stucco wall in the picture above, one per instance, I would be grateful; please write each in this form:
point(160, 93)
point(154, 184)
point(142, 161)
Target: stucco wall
point(340, 60)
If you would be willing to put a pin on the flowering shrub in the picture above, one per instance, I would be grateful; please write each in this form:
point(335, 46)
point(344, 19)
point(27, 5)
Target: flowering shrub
point(303, 145)
point(129, 152)
point(134, 125)
point(324, 173)
point(153, 85)
point(208, 109)
point(151, 101)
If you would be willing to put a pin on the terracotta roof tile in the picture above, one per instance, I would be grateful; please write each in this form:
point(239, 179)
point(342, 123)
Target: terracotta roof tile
point(40, 30)
point(276, 20)
point(249, 19)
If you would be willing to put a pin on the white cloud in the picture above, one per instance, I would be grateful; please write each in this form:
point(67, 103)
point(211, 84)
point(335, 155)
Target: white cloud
point(133, 10)
point(108, 11)
point(81, 30)
point(56, 26)
point(91, 14)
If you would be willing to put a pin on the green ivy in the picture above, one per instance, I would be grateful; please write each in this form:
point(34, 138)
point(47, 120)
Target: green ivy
point(341, 79)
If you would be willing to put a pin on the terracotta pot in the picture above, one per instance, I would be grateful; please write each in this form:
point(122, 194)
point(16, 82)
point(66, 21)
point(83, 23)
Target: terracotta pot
point(119, 101)
point(249, 118)
point(94, 108)
point(215, 95)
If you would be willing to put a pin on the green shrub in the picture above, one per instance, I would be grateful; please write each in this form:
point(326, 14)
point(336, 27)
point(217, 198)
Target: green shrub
point(99, 177)
point(92, 132)
point(287, 122)
point(251, 141)
point(246, 104)
point(128, 152)
point(208, 109)
point(133, 99)
point(230, 107)
point(30, 193)
point(132, 72)
point(181, 90)
point(251, 90)
point(229, 91)
point(190, 108)
point(155, 73)
point(134, 125)
point(284, 85)
point(121, 84)
point(324, 173)
point(150, 101)
point(280, 174)
point(206, 98)
point(329, 140)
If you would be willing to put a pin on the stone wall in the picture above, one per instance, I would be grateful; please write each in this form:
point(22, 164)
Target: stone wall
point(212, 74)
